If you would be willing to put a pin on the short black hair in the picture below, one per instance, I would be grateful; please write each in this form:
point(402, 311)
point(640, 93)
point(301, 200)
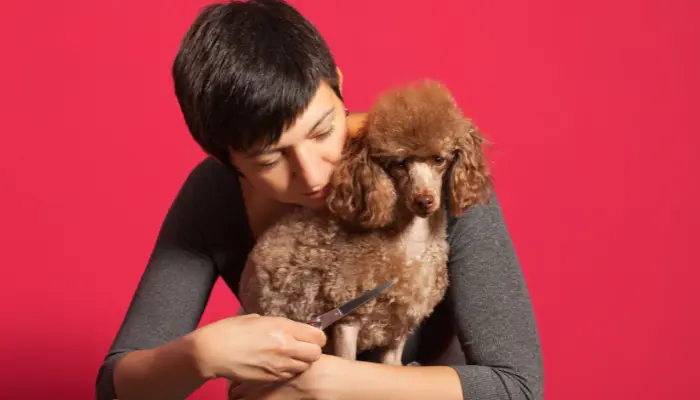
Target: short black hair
point(245, 71)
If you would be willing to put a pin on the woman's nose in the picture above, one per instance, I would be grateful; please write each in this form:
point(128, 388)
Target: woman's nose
point(309, 169)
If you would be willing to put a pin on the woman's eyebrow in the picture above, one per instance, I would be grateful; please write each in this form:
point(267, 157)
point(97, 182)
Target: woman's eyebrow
point(260, 152)
point(271, 149)
point(321, 119)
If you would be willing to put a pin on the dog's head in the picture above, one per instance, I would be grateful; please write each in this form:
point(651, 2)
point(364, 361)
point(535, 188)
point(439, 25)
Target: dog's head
point(415, 140)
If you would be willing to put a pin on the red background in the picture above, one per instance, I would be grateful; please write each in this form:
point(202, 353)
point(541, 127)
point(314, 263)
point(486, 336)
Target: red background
point(588, 103)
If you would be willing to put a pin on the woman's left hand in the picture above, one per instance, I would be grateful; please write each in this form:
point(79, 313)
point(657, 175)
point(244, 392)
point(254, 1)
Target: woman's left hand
point(320, 381)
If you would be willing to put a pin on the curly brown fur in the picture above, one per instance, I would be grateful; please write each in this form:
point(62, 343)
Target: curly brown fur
point(362, 191)
point(385, 221)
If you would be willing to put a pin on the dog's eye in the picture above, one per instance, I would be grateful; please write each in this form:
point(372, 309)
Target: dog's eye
point(397, 164)
point(438, 160)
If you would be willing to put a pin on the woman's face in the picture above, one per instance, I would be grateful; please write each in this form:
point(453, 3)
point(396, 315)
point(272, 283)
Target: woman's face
point(298, 167)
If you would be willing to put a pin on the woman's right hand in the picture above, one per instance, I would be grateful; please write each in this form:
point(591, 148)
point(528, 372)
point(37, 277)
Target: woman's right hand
point(254, 348)
point(355, 123)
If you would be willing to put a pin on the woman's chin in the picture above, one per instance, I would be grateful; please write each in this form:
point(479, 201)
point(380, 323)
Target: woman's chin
point(316, 204)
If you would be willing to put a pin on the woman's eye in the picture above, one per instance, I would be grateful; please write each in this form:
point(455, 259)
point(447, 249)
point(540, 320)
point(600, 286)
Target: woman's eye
point(324, 134)
point(268, 164)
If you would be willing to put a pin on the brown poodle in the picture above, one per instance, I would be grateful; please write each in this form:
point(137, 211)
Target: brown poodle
point(386, 221)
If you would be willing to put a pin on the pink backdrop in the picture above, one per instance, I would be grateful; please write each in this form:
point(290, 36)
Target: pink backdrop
point(589, 104)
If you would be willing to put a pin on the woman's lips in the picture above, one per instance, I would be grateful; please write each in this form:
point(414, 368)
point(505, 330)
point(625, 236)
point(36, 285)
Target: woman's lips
point(318, 194)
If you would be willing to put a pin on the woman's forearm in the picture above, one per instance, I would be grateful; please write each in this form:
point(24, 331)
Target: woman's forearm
point(370, 381)
point(168, 372)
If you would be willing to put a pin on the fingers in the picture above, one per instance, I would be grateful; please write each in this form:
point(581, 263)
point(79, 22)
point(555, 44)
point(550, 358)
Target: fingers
point(305, 352)
point(307, 333)
point(284, 368)
point(293, 368)
point(295, 346)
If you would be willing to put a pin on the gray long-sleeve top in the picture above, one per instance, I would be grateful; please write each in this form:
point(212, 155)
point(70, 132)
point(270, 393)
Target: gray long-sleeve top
point(485, 328)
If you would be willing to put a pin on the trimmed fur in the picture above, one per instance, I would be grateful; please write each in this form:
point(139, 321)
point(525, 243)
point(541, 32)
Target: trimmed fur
point(386, 220)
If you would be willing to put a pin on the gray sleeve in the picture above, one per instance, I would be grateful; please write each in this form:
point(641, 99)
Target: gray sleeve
point(493, 314)
point(179, 276)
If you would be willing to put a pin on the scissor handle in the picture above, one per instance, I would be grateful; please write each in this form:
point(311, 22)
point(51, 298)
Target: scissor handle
point(316, 323)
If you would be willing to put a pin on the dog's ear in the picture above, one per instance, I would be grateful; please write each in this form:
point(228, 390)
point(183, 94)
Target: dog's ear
point(362, 193)
point(470, 178)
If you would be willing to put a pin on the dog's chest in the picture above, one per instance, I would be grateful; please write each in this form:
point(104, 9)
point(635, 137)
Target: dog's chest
point(425, 258)
point(415, 240)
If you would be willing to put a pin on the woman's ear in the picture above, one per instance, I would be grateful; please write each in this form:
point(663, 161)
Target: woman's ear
point(361, 192)
point(340, 79)
point(470, 178)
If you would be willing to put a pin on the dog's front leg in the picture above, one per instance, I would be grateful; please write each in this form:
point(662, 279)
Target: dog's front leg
point(345, 341)
point(392, 355)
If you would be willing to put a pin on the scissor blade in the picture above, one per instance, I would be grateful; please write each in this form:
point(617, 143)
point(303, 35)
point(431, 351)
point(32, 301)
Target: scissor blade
point(334, 315)
point(353, 304)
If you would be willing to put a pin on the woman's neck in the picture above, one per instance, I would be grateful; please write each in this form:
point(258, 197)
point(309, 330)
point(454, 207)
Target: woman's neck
point(262, 211)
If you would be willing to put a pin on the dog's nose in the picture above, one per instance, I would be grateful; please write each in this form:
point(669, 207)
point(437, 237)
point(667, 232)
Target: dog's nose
point(424, 202)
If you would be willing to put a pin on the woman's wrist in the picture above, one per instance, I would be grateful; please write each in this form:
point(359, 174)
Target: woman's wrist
point(196, 346)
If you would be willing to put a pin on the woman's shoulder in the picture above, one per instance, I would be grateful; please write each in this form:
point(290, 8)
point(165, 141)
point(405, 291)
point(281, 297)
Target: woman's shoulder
point(481, 218)
point(210, 173)
point(208, 212)
point(212, 187)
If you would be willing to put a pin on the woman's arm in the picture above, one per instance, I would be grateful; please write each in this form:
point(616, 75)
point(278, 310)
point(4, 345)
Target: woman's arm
point(494, 317)
point(495, 322)
point(372, 381)
point(152, 356)
point(167, 372)
point(336, 378)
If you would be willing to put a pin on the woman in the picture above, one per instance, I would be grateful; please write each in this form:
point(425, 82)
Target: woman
point(261, 94)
